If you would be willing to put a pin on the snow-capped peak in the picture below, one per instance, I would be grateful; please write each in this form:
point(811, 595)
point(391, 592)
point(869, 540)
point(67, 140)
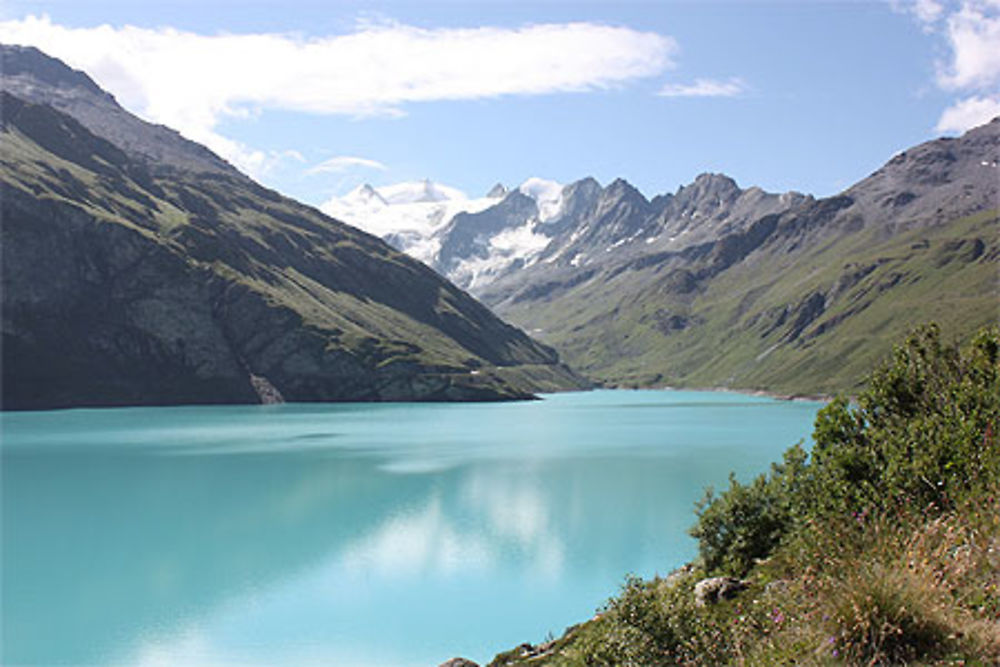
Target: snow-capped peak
point(409, 215)
point(548, 195)
point(412, 192)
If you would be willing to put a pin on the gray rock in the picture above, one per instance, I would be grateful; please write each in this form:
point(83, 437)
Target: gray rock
point(777, 587)
point(715, 589)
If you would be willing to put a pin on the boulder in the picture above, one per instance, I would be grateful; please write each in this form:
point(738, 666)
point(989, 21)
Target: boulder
point(715, 589)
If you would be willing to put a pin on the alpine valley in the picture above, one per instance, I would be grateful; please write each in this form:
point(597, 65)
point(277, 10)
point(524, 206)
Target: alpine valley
point(140, 268)
point(714, 285)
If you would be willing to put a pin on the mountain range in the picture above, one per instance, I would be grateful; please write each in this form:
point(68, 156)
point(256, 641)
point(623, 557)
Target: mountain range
point(715, 285)
point(140, 268)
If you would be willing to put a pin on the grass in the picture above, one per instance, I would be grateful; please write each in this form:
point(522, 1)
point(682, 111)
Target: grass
point(905, 589)
point(881, 547)
point(877, 289)
point(352, 296)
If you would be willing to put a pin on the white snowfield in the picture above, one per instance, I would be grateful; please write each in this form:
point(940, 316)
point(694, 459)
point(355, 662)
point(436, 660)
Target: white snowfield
point(413, 216)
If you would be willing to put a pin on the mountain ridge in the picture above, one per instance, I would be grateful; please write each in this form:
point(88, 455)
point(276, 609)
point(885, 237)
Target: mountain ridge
point(801, 299)
point(128, 281)
point(642, 292)
point(33, 76)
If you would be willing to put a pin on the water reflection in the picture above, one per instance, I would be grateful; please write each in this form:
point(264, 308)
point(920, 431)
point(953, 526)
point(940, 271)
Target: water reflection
point(419, 543)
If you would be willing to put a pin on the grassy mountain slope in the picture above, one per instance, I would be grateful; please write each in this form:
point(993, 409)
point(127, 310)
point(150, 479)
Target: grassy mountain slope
point(801, 301)
point(127, 282)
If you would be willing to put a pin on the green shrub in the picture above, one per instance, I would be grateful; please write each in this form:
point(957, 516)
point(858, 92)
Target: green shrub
point(920, 434)
point(748, 521)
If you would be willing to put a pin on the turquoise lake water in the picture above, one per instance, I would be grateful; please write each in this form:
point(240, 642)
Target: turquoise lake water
point(353, 534)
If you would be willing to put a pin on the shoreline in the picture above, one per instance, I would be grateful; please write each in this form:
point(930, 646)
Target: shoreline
point(817, 398)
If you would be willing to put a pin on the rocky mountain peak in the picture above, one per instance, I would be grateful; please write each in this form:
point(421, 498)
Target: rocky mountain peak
point(586, 184)
point(27, 63)
point(368, 195)
point(38, 78)
point(498, 191)
point(430, 193)
point(580, 197)
point(621, 190)
point(711, 185)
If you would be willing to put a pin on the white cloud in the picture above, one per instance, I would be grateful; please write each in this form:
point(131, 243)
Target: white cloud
point(973, 34)
point(968, 113)
point(927, 12)
point(971, 70)
point(705, 88)
point(343, 163)
point(190, 81)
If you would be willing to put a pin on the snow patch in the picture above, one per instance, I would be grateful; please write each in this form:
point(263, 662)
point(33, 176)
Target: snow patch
point(409, 215)
point(509, 246)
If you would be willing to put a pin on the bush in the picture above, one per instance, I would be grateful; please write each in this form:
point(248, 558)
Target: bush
point(920, 434)
point(748, 521)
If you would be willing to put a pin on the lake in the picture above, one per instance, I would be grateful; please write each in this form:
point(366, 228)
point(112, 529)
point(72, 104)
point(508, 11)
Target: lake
point(353, 534)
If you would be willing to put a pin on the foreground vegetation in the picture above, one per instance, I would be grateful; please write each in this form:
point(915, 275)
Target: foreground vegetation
point(881, 546)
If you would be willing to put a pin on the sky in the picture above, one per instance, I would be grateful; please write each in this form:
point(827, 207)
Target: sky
point(315, 98)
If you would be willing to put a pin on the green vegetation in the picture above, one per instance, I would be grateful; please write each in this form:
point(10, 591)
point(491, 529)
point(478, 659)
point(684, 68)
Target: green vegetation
point(210, 279)
point(739, 330)
point(881, 546)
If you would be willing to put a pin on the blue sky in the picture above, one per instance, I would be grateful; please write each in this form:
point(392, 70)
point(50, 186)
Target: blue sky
point(314, 98)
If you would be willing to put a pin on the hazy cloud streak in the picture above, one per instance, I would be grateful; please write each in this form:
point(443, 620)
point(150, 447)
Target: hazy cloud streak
point(343, 163)
point(733, 87)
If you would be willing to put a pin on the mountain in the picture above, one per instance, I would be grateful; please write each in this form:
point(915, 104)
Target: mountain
point(29, 74)
point(718, 286)
point(482, 245)
point(139, 268)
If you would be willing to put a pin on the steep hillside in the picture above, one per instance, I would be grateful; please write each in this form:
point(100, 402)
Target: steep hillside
point(795, 300)
point(31, 75)
point(144, 270)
